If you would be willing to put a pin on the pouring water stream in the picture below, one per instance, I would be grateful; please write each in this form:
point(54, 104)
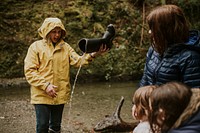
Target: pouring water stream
point(73, 88)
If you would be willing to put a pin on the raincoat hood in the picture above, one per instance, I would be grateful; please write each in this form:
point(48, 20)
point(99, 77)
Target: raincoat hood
point(48, 25)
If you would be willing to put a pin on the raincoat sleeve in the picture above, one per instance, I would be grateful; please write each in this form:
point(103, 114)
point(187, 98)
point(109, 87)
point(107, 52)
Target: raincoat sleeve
point(31, 65)
point(77, 60)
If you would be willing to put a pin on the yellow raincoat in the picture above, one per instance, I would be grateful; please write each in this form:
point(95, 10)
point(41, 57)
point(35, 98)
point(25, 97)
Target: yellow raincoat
point(46, 64)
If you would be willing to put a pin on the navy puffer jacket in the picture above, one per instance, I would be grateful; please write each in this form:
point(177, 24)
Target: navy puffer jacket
point(180, 62)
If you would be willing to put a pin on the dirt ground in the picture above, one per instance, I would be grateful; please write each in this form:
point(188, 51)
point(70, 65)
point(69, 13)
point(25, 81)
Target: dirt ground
point(91, 102)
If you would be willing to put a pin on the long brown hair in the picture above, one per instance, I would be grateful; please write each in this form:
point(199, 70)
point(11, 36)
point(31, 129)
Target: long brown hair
point(168, 26)
point(172, 98)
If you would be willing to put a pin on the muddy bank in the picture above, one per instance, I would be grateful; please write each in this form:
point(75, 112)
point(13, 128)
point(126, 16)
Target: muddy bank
point(90, 103)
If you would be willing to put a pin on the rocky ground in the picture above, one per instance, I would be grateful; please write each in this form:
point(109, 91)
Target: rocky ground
point(89, 106)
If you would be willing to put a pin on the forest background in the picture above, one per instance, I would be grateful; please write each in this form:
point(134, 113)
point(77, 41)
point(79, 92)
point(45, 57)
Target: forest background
point(20, 19)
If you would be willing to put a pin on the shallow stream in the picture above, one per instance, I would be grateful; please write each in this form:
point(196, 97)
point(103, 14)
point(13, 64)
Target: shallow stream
point(91, 102)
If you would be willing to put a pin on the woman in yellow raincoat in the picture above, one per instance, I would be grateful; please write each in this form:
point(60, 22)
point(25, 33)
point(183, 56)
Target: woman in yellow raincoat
point(46, 68)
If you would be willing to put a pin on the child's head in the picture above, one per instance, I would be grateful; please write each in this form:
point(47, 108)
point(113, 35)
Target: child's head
point(167, 103)
point(50, 27)
point(141, 102)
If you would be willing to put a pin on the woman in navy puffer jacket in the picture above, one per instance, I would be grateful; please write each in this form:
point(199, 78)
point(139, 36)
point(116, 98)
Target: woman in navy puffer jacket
point(175, 51)
point(173, 56)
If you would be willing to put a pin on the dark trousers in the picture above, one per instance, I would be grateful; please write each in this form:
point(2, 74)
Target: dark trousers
point(48, 116)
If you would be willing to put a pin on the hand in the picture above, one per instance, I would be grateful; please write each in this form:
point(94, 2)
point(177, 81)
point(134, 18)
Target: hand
point(103, 49)
point(51, 91)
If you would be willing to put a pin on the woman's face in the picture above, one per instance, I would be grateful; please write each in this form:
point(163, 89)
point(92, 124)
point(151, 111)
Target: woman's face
point(55, 34)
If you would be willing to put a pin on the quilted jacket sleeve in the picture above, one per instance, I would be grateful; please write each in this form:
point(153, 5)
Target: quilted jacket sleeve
point(145, 81)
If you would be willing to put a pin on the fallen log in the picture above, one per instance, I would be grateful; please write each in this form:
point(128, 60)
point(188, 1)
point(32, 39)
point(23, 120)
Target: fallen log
point(114, 123)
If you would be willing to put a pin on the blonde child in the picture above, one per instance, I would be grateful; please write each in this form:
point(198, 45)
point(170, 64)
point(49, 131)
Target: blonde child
point(141, 107)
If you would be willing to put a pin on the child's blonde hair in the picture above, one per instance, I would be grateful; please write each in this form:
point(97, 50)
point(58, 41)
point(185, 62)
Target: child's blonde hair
point(141, 100)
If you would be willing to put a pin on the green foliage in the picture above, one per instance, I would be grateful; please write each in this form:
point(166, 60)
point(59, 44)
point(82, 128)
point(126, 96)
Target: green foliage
point(19, 21)
point(11, 62)
point(192, 9)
